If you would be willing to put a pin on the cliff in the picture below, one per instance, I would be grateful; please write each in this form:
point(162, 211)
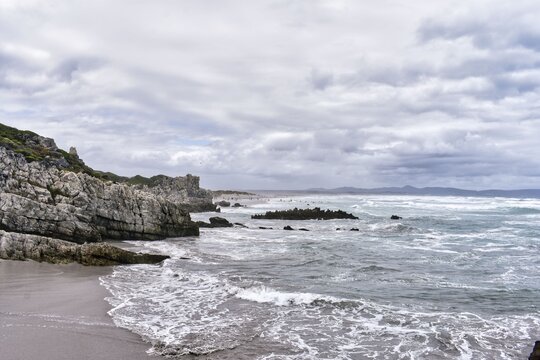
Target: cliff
point(48, 192)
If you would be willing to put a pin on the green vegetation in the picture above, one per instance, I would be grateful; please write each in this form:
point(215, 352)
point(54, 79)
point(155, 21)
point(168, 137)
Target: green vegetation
point(55, 192)
point(20, 141)
point(36, 148)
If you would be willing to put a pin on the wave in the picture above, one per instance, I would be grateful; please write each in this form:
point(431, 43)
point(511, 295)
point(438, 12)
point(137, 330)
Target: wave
point(264, 294)
point(398, 228)
point(522, 210)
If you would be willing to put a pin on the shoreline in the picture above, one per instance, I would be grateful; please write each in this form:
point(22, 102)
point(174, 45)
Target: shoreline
point(59, 312)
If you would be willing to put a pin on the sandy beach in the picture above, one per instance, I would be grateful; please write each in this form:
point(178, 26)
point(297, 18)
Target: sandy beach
point(57, 312)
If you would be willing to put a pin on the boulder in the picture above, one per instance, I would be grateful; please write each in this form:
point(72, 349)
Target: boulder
point(395, 217)
point(215, 222)
point(535, 355)
point(237, 205)
point(355, 229)
point(288, 228)
point(223, 203)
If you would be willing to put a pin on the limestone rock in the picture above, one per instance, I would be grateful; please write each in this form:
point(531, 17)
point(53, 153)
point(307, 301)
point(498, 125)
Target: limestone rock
point(16, 246)
point(183, 190)
point(40, 198)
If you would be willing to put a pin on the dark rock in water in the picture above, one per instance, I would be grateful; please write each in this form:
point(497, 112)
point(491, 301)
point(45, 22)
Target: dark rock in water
point(303, 229)
point(288, 228)
point(535, 355)
point(395, 217)
point(218, 210)
point(265, 228)
point(304, 214)
point(354, 229)
point(237, 205)
point(220, 222)
point(16, 246)
point(215, 222)
point(337, 229)
point(224, 203)
point(240, 225)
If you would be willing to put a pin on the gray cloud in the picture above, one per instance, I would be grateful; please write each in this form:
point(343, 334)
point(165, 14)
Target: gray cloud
point(282, 94)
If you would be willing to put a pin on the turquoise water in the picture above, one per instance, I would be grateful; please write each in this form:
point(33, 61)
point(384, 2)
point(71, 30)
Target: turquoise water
point(456, 278)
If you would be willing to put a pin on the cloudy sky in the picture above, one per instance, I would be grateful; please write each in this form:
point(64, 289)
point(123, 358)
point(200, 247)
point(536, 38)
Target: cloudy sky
point(282, 94)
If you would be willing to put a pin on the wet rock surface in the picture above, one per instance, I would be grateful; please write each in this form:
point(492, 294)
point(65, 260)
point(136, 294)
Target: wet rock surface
point(535, 355)
point(304, 214)
point(215, 222)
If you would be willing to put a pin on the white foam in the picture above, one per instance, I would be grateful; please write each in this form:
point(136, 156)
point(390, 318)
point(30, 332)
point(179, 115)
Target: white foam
point(263, 294)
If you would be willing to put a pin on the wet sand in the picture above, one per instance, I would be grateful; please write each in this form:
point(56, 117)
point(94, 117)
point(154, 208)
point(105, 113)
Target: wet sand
point(57, 312)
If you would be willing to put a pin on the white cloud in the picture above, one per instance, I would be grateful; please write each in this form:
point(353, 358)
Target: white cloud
point(282, 94)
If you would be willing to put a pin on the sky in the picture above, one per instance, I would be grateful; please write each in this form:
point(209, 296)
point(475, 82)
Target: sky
point(282, 94)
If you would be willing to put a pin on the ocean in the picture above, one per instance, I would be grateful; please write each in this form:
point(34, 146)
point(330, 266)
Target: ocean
point(456, 278)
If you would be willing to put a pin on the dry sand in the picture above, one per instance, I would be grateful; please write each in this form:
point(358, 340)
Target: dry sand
point(57, 312)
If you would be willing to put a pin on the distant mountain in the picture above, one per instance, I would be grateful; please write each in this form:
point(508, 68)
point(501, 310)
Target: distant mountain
point(434, 191)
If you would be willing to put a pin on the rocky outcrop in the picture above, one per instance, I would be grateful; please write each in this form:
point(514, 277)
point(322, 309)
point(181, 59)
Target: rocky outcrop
point(183, 190)
point(15, 246)
point(535, 355)
point(223, 203)
point(40, 198)
point(304, 214)
point(215, 222)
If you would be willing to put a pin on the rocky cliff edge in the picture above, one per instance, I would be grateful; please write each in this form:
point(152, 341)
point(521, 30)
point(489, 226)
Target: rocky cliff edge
point(47, 192)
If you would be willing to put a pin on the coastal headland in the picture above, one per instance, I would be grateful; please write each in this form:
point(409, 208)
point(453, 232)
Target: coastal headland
point(48, 195)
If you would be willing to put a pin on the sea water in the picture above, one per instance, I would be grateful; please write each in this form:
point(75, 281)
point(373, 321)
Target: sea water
point(456, 278)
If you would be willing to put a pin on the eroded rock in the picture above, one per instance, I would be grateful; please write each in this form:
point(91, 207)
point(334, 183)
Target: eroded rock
point(16, 246)
point(38, 198)
point(215, 222)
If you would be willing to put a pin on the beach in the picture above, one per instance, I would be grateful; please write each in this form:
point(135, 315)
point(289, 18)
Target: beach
point(58, 312)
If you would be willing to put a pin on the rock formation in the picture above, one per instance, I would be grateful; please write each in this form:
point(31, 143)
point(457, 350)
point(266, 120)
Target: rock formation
point(15, 246)
point(535, 355)
point(48, 192)
point(304, 214)
point(181, 190)
point(39, 199)
point(215, 222)
point(224, 203)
